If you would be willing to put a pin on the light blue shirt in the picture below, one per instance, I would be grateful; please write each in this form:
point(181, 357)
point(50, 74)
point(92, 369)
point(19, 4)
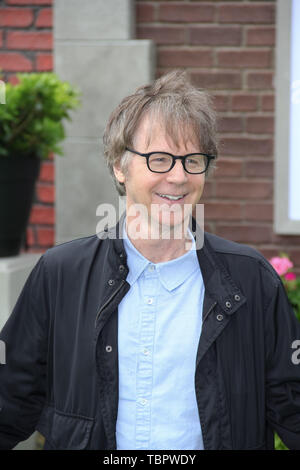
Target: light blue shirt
point(160, 321)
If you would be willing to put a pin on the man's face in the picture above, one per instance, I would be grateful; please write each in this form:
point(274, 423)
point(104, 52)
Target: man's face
point(152, 189)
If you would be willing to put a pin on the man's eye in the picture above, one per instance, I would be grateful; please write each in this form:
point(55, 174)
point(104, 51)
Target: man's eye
point(192, 161)
point(160, 158)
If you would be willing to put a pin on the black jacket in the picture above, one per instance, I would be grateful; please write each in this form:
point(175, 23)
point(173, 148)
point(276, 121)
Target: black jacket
point(61, 378)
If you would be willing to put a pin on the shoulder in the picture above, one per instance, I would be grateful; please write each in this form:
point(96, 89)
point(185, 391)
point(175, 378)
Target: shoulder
point(72, 253)
point(240, 258)
point(221, 245)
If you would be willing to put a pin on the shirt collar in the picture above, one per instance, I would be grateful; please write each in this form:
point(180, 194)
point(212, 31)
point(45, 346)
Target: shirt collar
point(171, 273)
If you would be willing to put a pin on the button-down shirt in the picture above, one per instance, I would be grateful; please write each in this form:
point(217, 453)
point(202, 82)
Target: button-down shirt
point(160, 322)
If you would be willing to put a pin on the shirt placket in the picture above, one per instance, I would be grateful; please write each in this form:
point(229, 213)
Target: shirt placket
point(150, 285)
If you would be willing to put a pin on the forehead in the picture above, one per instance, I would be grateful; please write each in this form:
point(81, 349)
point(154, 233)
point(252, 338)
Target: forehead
point(155, 130)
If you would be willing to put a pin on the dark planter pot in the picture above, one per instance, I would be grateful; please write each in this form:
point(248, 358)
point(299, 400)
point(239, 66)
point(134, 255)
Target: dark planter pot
point(18, 176)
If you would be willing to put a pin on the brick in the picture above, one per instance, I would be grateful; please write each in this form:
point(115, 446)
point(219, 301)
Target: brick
point(144, 12)
point(184, 58)
point(260, 36)
point(227, 167)
point(15, 17)
point(283, 240)
point(259, 212)
point(260, 125)
point(242, 146)
point(13, 79)
point(216, 80)
point(186, 12)
point(244, 189)
point(269, 253)
point(249, 234)
point(42, 215)
point(230, 124)
point(260, 80)
point(45, 193)
point(162, 34)
point(268, 103)
point(247, 13)
point(222, 211)
point(209, 190)
point(47, 172)
point(220, 102)
point(30, 236)
point(44, 18)
point(15, 62)
point(29, 40)
point(29, 2)
point(244, 102)
point(45, 236)
point(259, 168)
point(245, 58)
point(295, 256)
point(216, 35)
point(1, 38)
point(44, 62)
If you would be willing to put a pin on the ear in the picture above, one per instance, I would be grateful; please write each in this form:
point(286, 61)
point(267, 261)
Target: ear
point(119, 174)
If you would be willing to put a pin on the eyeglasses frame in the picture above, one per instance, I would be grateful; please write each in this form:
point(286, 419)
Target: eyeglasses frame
point(174, 157)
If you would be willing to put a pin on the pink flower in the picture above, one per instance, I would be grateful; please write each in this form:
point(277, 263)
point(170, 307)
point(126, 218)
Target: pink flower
point(290, 276)
point(281, 265)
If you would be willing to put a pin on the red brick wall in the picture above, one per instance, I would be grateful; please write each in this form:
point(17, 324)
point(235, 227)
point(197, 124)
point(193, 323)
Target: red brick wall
point(227, 47)
point(26, 46)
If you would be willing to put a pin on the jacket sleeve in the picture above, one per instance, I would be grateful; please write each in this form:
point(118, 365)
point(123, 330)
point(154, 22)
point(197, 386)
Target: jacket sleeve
point(23, 376)
point(282, 330)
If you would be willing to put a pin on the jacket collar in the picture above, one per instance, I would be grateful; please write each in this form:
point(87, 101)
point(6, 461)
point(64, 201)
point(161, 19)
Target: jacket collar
point(219, 285)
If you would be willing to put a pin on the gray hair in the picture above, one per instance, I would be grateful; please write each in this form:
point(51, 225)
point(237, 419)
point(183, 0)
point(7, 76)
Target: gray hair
point(176, 103)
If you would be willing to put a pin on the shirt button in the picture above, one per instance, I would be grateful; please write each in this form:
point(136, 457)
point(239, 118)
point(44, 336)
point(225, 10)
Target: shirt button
point(111, 282)
point(146, 352)
point(144, 401)
point(219, 317)
point(151, 268)
point(237, 298)
point(108, 349)
point(150, 301)
point(228, 304)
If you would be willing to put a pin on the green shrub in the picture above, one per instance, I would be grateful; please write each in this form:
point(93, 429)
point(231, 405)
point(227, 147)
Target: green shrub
point(31, 119)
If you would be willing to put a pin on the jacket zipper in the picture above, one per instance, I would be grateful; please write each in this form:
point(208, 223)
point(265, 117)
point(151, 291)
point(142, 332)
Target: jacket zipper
point(208, 312)
point(108, 301)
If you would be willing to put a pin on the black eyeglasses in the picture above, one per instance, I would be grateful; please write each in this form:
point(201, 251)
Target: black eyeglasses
point(162, 162)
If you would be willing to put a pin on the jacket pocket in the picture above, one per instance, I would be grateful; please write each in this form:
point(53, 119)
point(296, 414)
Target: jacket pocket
point(64, 431)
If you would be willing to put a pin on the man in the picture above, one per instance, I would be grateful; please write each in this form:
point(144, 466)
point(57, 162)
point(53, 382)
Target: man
point(150, 339)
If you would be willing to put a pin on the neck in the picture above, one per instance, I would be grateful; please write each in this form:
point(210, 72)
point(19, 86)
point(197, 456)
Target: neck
point(158, 249)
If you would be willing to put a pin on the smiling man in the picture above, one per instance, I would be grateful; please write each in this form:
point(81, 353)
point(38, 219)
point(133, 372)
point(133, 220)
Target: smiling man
point(146, 340)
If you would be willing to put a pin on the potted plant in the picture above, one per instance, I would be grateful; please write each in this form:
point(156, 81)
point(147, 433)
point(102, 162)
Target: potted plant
point(31, 126)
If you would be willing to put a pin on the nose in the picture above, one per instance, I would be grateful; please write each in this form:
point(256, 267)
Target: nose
point(177, 174)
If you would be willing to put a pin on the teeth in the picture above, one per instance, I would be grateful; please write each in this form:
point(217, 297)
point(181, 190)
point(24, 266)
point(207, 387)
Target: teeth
point(172, 198)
